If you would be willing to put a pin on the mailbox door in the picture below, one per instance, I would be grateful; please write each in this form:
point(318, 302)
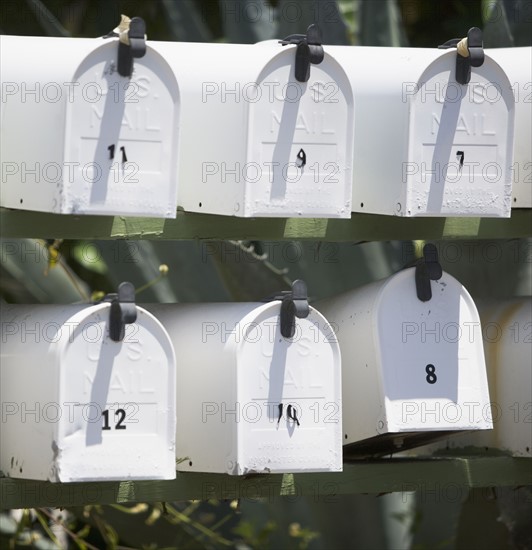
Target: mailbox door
point(431, 356)
point(300, 141)
point(303, 375)
point(460, 143)
point(120, 400)
point(121, 137)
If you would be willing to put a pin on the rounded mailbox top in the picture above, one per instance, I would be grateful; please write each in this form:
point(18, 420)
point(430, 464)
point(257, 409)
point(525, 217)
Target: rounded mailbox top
point(126, 129)
point(290, 393)
point(311, 356)
point(450, 299)
point(262, 324)
point(110, 405)
point(122, 423)
point(429, 349)
point(87, 340)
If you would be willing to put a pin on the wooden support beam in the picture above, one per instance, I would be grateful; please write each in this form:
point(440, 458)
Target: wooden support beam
point(434, 474)
point(189, 226)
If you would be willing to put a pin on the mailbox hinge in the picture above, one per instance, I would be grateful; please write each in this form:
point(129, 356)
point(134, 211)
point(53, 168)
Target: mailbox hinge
point(131, 43)
point(309, 50)
point(469, 53)
point(123, 310)
point(294, 304)
point(428, 269)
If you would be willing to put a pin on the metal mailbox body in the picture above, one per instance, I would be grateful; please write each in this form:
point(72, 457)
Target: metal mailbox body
point(77, 406)
point(409, 366)
point(506, 328)
point(234, 371)
point(246, 121)
point(78, 138)
point(517, 63)
point(426, 145)
point(508, 348)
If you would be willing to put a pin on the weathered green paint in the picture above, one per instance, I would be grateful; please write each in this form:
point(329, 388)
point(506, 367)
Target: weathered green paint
point(376, 476)
point(361, 227)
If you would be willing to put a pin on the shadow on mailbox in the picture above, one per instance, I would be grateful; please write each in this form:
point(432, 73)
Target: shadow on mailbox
point(122, 136)
point(250, 400)
point(79, 406)
point(301, 137)
point(294, 382)
point(101, 385)
point(413, 365)
point(462, 137)
point(419, 341)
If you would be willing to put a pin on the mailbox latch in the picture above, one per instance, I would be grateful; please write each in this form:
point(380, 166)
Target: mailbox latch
point(294, 304)
point(469, 53)
point(131, 43)
point(309, 50)
point(428, 269)
point(123, 310)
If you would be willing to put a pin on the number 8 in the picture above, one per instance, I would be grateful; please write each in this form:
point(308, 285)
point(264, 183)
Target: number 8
point(431, 374)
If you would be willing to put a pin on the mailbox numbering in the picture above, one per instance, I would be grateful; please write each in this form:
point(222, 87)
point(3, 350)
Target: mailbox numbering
point(121, 413)
point(431, 374)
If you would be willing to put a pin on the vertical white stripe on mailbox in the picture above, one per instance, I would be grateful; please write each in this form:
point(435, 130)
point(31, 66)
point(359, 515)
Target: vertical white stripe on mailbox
point(78, 406)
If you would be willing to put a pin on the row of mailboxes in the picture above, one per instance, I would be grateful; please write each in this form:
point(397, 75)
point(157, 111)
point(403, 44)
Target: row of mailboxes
point(119, 391)
point(114, 391)
point(300, 130)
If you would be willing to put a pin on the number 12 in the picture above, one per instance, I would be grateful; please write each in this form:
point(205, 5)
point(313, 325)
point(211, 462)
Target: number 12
point(122, 416)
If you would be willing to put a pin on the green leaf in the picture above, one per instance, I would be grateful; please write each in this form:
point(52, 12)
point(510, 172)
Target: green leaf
point(89, 256)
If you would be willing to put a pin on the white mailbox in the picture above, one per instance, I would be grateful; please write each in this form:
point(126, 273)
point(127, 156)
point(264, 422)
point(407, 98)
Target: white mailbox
point(425, 144)
point(506, 329)
point(78, 406)
point(260, 142)
point(517, 63)
point(412, 369)
point(78, 137)
point(250, 400)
